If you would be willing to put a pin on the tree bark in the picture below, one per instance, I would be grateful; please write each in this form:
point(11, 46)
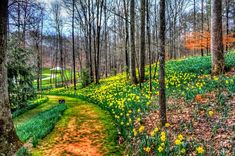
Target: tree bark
point(133, 55)
point(149, 46)
point(74, 60)
point(202, 18)
point(126, 39)
point(216, 38)
point(162, 94)
point(9, 142)
point(142, 43)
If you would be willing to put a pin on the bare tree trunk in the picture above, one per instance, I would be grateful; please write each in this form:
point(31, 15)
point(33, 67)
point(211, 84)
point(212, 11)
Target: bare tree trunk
point(202, 18)
point(38, 61)
point(90, 41)
point(149, 46)
point(162, 94)
point(106, 41)
point(142, 43)
point(74, 60)
point(227, 21)
point(9, 142)
point(194, 21)
point(127, 38)
point(133, 55)
point(217, 38)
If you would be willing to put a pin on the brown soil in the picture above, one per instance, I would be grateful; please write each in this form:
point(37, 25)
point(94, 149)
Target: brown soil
point(81, 137)
point(202, 129)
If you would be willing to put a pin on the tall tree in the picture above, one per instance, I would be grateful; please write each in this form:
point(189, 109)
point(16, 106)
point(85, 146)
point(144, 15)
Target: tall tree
point(74, 61)
point(142, 43)
point(227, 4)
point(9, 142)
point(149, 46)
point(132, 36)
point(217, 37)
point(126, 37)
point(162, 94)
point(194, 19)
point(202, 24)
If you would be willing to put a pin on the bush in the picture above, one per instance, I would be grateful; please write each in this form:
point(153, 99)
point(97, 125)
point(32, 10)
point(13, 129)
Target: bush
point(20, 75)
point(85, 78)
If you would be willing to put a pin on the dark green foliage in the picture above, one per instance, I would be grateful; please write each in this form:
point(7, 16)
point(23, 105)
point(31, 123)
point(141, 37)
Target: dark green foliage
point(85, 78)
point(31, 105)
point(20, 76)
point(38, 127)
point(22, 152)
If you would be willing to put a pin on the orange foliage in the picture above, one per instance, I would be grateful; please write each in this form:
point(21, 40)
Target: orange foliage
point(198, 40)
point(198, 98)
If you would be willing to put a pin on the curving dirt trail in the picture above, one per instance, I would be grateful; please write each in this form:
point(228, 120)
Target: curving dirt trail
point(82, 131)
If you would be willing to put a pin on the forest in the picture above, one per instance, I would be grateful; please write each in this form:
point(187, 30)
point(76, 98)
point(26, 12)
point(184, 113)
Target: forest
point(117, 77)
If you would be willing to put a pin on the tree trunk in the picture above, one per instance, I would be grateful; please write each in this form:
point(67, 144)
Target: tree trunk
point(142, 43)
point(91, 77)
point(9, 142)
point(202, 35)
point(126, 40)
point(162, 94)
point(216, 37)
point(227, 21)
point(149, 47)
point(194, 22)
point(132, 58)
point(74, 61)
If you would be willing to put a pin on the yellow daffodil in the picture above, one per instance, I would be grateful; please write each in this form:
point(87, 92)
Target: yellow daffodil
point(147, 149)
point(163, 138)
point(135, 132)
point(210, 113)
point(200, 150)
point(177, 142)
point(180, 137)
point(163, 133)
point(160, 149)
point(152, 134)
point(167, 125)
point(156, 130)
point(141, 129)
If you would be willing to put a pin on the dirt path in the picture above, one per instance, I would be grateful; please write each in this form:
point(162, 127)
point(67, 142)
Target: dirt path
point(84, 130)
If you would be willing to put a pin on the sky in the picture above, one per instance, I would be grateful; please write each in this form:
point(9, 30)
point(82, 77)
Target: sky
point(48, 20)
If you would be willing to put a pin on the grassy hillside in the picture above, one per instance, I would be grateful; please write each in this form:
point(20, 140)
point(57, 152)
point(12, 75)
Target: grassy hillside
point(188, 84)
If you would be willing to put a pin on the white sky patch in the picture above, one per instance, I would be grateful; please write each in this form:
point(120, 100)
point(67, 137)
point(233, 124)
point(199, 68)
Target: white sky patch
point(49, 23)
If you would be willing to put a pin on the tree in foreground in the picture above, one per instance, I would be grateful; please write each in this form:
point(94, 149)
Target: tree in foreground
point(162, 94)
point(217, 37)
point(9, 142)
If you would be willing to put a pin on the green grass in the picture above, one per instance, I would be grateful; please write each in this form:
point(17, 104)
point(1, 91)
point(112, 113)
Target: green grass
point(84, 113)
point(23, 152)
point(46, 83)
point(38, 127)
point(53, 101)
point(31, 105)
